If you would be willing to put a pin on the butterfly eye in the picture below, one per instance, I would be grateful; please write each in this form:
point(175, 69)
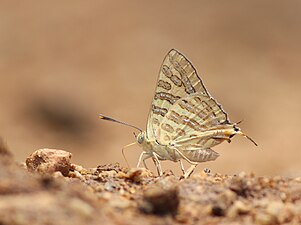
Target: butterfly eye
point(140, 138)
point(236, 129)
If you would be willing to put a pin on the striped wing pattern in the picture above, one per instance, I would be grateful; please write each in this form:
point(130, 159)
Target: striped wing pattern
point(182, 108)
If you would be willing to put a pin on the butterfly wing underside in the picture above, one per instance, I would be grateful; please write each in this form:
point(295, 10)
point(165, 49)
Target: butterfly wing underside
point(186, 123)
point(177, 79)
point(182, 108)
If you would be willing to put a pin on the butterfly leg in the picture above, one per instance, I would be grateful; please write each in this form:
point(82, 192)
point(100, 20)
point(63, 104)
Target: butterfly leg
point(143, 156)
point(157, 163)
point(182, 166)
point(189, 171)
point(144, 163)
point(184, 157)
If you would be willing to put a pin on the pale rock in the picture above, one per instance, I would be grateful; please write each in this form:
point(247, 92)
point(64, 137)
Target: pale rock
point(49, 161)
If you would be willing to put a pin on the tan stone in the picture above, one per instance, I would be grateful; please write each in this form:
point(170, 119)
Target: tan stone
point(48, 161)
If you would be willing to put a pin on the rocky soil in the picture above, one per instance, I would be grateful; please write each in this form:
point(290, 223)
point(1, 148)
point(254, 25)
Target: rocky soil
point(49, 189)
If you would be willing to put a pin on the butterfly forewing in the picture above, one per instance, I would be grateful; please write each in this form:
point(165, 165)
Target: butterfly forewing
point(182, 107)
point(177, 79)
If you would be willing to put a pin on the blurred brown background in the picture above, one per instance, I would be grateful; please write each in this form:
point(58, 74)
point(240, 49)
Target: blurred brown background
point(62, 64)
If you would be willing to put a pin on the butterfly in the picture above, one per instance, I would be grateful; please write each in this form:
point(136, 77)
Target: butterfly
point(184, 121)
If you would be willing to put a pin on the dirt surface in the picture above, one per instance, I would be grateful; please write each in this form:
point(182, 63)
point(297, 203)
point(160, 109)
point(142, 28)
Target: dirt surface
point(111, 194)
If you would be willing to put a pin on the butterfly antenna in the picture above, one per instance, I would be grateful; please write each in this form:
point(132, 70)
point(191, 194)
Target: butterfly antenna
point(117, 121)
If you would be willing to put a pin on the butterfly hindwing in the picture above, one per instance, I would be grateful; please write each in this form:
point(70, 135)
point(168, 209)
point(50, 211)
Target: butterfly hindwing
point(188, 119)
point(200, 155)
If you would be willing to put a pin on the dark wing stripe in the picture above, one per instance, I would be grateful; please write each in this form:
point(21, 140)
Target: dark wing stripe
point(164, 84)
point(159, 111)
point(166, 96)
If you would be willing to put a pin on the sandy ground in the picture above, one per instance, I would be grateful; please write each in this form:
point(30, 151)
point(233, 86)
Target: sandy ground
point(62, 64)
point(55, 191)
